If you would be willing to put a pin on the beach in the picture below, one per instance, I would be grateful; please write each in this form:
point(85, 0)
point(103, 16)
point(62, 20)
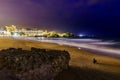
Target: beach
point(81, 59)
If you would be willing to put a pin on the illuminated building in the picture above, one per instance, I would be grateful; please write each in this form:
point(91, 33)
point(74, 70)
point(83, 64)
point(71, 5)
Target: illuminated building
point(13, 31)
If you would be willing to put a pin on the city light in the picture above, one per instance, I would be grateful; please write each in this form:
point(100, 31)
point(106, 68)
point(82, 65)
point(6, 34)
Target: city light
point(14, 31)
point(81, 35)
point(15, 34)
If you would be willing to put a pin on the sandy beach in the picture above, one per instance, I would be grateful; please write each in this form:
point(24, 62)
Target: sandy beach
point(81, 60)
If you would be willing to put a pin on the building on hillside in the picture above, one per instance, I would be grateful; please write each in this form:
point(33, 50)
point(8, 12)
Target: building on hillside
point(34, 32)
point(13, 31)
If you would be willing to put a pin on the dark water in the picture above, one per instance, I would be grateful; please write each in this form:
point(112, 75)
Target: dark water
point(115, 40)
point(111, 42)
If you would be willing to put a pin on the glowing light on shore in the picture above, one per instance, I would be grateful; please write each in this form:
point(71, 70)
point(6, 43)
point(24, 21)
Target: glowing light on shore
point(81, 35)
point(15, 34)
point(79, 48)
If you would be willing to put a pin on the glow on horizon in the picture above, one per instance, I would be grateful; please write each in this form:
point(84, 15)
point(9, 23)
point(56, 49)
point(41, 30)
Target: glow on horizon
point(81, 35)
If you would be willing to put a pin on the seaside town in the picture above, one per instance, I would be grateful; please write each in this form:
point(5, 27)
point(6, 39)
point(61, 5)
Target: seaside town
point(33, 32)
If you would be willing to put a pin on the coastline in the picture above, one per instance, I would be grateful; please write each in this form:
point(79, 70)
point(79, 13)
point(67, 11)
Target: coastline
point(89, 46)
point(79, 57)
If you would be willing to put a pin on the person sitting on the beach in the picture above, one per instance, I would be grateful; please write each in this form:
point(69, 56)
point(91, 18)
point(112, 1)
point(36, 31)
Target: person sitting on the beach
point(94, 60)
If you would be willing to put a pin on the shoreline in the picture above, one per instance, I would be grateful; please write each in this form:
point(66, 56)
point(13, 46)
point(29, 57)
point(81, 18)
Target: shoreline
point(90, 50)
point(93, 48)
point(102, 53)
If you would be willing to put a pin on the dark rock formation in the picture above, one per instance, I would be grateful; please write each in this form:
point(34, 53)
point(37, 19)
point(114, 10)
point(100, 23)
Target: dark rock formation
point(36, 64)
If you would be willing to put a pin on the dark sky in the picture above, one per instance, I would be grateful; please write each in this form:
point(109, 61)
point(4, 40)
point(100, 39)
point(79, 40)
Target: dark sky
point(98, 17)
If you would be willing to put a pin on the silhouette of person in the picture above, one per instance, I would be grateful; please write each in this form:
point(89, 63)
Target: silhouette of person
point(94, 61)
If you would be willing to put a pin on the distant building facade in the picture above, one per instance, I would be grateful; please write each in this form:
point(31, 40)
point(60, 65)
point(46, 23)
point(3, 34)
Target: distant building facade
point(13, 31)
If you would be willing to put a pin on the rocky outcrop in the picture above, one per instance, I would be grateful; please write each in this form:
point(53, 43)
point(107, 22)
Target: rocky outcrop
point(34, 64)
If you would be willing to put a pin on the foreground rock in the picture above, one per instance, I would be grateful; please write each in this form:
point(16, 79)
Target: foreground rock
point(36, 64)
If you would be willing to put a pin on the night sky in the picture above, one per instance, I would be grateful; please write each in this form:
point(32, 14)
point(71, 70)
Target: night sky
point(97, 17)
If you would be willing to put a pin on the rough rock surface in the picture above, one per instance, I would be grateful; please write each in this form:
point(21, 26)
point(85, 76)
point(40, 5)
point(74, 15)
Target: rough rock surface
point(34, 64)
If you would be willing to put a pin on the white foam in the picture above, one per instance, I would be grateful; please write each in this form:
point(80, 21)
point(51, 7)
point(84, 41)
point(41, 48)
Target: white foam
point(92, 46)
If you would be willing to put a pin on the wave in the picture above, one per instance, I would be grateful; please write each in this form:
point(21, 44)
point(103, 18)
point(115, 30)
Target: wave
point(93, 44)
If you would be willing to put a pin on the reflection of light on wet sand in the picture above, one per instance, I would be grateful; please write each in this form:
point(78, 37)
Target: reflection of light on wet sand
point(79, 48)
